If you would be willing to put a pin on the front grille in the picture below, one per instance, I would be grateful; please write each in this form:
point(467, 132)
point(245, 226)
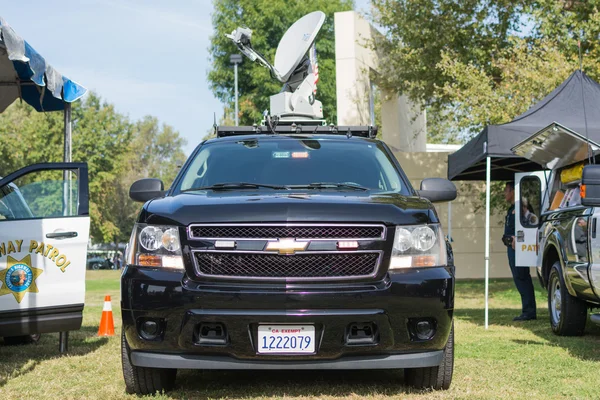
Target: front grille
point(286, 231)
point(298, 266)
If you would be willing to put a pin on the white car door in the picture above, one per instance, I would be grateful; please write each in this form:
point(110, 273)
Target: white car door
point(44, 233)
point(594, 234)
point(530, 188)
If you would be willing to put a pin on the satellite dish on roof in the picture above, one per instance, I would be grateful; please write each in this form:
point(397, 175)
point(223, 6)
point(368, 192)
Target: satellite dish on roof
point(295, 43)
point(292, 68)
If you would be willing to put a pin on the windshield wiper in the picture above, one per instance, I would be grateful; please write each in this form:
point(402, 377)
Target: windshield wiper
point(237, 185)
point(329, 185)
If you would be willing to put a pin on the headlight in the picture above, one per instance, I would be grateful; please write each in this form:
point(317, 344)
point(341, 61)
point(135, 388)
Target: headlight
point(155, 246)
point(170, 239)
point(423, 238)
point(151, 238)
point(403, 240)
point(418, 246)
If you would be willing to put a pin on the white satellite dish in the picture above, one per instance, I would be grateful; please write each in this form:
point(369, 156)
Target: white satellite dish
point(291, 67)
point(295, 43)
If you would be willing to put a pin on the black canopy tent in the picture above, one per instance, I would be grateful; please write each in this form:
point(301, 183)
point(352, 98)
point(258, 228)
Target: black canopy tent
point(488, 156)
point(565, 105)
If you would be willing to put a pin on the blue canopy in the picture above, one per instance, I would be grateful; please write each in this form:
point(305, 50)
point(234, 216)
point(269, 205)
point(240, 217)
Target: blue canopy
point(25, 74)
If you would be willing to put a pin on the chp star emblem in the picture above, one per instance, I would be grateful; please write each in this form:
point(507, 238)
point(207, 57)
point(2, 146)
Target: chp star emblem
point(19, 278)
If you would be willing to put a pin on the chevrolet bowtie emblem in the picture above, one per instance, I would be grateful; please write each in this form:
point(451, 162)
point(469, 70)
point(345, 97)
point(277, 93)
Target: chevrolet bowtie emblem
point(286, 246)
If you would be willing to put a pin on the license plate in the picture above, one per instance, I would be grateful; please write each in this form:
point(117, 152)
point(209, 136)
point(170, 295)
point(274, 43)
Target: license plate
point(286, 339)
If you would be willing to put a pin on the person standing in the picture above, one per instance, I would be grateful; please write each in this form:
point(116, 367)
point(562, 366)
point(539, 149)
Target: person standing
point(521, 275)
point(581, 239)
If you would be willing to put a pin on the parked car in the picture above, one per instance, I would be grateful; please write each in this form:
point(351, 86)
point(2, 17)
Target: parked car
point(565, 244)
point(100, 263)
point(288, 251)
point(44, 231)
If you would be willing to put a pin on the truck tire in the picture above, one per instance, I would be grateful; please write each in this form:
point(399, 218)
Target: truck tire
point(142, 380)
point(95, 266)
point(437, 378)
point(568, 314)
point(24, 339)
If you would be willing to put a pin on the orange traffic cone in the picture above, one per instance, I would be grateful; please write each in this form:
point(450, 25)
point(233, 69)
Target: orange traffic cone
point(107, 326)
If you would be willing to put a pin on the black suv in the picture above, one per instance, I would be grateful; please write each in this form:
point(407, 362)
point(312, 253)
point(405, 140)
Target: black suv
point(288, 251)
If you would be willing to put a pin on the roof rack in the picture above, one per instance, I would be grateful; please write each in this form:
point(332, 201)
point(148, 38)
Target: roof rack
point(348, 131)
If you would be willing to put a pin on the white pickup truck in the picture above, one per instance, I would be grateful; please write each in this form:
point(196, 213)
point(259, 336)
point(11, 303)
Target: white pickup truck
point(562, 241)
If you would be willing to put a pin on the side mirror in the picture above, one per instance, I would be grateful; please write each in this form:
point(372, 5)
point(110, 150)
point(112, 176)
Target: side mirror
point(437, 190)
point(590, 189)
point(146, 189)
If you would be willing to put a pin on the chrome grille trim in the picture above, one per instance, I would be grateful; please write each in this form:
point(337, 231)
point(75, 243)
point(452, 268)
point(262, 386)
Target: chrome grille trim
point(289, 279)
point(191, 227)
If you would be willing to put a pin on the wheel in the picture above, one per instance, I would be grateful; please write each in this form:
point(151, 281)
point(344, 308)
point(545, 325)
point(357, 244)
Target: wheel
point(24, 339)
point(95, 266)
point(568, 314)
point(142, 380)
point(437, 378)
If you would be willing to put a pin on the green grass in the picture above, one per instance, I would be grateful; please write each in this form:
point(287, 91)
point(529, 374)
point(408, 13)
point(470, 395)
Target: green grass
point(509, 360)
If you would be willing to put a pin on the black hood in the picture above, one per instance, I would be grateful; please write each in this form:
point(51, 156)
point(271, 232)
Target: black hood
point(233, 207)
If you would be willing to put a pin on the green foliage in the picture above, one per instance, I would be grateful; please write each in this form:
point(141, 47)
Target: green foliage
point(268, 19)
point(116, 150)
point(155, 151)
point(526, 72)
point(478, 62)
point(419, 31)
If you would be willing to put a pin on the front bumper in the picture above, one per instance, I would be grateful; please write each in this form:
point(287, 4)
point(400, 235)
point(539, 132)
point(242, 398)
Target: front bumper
point(391, 305)
point(411, 360)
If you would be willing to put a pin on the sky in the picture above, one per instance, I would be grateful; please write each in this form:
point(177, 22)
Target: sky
point(147, 57)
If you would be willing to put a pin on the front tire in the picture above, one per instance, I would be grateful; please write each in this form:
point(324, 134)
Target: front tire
point(95, 266)
point(568, 314)
point(142, 380)
point(438, 377)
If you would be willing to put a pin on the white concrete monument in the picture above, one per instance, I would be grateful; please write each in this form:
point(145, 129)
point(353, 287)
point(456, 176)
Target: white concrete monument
point(403, 123)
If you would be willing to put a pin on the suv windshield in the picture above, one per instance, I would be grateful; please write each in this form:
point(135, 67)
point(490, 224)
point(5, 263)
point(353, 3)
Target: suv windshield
point(288, 162)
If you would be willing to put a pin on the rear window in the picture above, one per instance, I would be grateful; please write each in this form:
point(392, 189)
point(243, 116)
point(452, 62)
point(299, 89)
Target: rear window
point(294, 161)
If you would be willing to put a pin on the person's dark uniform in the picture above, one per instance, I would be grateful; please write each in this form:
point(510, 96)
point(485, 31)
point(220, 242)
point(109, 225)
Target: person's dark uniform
point(581, 242)
point(521, 275)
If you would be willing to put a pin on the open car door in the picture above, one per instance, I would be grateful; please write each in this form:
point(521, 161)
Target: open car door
point(530, 188)
point(44, 232)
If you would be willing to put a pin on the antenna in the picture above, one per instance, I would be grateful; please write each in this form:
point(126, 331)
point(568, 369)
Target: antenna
point(215, 126)
point(296, 102)
point(580, 57)
point(589, 147)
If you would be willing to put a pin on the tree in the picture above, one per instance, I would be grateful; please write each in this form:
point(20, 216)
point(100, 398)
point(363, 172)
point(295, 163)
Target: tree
point(268, 19)
point(418, 31)
point(526, 72)
point(479, 62)
point(116, 150)
point(154, 151)
point(435, 49)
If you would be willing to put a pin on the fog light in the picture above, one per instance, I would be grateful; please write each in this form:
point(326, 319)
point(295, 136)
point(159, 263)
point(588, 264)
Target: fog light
point(150, 329)
point(425, 330)
point(422, 329)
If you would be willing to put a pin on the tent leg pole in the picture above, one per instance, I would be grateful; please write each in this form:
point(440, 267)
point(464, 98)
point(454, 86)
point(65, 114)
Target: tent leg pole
point(67, 158)
point(67, 133)
point(487, 236)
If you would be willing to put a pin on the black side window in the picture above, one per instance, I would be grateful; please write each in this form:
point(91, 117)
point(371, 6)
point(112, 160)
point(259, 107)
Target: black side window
point(530, 201)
